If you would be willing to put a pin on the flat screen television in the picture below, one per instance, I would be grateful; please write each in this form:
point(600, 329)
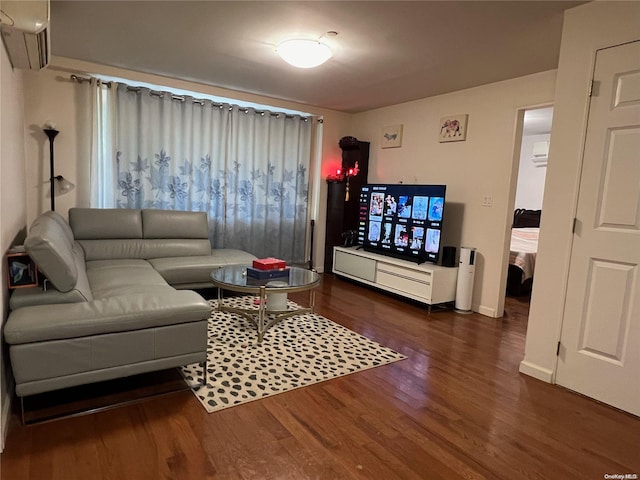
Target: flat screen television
point(401, 220)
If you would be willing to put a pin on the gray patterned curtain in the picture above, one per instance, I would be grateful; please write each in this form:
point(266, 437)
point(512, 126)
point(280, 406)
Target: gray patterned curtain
point(248, 169)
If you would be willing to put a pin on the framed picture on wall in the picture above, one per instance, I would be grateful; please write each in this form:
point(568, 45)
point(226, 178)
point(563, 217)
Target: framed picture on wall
point(453, 128)
point(22, 271)
point(391, 136)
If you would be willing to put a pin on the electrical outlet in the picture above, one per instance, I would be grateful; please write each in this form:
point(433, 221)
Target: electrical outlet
point(487, 201)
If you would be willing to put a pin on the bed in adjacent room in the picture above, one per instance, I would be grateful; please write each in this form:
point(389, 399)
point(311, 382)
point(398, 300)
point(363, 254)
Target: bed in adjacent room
point(523, 251)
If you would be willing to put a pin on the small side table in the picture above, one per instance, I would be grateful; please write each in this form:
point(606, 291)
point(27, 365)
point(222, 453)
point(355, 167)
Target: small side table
point(22, 272)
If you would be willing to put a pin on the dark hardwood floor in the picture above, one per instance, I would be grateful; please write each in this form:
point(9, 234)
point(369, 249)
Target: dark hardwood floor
point(456, 408)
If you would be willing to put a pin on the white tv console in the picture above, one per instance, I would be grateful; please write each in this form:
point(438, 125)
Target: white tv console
point(427, 283)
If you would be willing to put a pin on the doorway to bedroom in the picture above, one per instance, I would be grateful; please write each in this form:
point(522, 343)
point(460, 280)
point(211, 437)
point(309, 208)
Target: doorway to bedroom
point(532, 170)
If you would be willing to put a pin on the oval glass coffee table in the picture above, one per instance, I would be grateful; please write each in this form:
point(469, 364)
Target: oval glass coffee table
point(234, 279)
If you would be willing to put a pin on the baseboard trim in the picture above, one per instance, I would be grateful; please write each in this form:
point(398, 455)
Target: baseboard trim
point(489, 312)
point(536, 371)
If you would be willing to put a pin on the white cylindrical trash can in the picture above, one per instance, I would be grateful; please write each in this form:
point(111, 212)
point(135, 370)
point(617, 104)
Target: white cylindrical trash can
point(276, 301)
point(464, 287)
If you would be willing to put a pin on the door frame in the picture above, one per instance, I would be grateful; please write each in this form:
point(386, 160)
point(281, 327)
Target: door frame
point(617, 23)
point(511, 201)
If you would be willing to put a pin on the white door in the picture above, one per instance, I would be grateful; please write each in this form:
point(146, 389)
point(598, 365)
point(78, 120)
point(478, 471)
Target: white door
point(600, 341)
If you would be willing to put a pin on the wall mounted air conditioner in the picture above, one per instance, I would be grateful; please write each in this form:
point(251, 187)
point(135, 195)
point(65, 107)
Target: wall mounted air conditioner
point(25, 32)
point(540, 152)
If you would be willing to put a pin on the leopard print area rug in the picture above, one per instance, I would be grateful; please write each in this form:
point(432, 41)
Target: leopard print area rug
point(299, 351)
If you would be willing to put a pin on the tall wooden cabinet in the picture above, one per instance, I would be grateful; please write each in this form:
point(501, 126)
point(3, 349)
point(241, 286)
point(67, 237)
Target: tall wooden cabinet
point(342, 214)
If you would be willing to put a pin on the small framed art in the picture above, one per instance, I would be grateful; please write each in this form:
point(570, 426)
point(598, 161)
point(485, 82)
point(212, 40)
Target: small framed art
point(453, 128)
point(391, 136)
point(22, 271)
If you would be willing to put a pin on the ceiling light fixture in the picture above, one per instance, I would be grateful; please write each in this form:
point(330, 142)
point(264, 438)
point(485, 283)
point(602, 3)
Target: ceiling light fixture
point(305, 53)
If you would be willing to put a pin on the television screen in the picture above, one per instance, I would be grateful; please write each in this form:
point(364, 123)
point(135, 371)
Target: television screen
point(403, 221)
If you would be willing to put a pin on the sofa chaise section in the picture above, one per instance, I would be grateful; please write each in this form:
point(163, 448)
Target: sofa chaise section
point(115, 303)
point(63, 345)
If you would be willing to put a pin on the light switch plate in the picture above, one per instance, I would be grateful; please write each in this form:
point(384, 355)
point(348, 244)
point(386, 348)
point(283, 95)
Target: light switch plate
point(487, 201)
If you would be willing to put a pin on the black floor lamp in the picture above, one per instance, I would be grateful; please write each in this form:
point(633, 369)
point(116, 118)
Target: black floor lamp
point(58, 184)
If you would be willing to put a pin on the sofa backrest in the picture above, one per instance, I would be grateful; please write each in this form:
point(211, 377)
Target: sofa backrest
point(144, 234)
point(173, 224)
point(50, 245)
point(101, 223)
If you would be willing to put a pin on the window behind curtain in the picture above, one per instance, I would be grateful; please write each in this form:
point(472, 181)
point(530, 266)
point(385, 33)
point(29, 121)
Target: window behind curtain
point(249, 170)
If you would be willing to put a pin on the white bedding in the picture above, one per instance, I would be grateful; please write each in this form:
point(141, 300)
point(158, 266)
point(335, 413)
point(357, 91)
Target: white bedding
point(523, 250)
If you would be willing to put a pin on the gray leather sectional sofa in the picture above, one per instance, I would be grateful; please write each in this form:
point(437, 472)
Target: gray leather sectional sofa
point(115, 303)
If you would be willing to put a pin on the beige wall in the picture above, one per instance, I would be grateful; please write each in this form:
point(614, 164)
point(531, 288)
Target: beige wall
point(531, 175)
point(51, 95)
point(12, 199)
point(586, 28)
point(481, 165)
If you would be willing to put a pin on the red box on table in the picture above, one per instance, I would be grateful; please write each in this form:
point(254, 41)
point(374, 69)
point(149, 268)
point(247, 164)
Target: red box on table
point(269, 263)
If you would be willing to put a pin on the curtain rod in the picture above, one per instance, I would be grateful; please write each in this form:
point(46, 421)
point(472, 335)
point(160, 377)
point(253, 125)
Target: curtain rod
point(183, 98)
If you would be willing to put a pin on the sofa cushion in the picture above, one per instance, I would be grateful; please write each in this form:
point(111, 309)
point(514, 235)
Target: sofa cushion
point(119, 313)
point(197, 269)
point(48, 245)
point(144, 248)
point(26, 297)
point(109, 278)
point(98, 223)
point(81, 291)
point(174, 224)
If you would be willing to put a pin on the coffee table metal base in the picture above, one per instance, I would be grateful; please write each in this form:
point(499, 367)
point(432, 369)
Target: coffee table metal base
point(262, 318)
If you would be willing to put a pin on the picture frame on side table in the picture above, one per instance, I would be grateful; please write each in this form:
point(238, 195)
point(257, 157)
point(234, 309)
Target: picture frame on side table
point(453, 128)
point(21, 270)
point(391, 136)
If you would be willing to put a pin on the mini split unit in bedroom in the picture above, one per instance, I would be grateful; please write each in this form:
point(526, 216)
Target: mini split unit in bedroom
point(540, 153)
point(25, 31)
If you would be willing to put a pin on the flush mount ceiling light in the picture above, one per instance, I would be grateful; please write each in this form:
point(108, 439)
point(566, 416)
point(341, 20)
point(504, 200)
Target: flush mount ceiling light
point(305, 53)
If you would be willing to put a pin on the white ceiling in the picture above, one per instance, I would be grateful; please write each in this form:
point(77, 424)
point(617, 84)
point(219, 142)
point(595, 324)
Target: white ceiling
point(385, 52)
